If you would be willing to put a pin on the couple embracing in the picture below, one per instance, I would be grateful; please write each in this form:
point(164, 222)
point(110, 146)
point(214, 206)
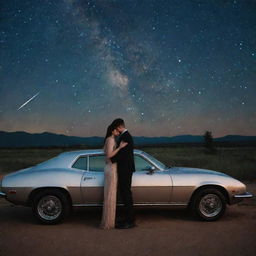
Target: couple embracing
point(118, 176)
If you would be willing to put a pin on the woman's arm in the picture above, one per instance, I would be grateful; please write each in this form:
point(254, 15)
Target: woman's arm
point(110, 146)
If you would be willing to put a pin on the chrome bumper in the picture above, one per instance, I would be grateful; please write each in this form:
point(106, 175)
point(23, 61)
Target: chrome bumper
point(245, 195)
point(2, 194)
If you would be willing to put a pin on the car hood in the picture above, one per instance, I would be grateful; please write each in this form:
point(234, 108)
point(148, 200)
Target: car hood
point(188, 170)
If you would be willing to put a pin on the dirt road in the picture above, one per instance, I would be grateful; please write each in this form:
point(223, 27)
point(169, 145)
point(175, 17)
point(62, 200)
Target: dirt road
point(159, 232)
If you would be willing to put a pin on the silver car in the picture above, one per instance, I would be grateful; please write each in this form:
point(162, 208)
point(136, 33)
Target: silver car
point(76, 178)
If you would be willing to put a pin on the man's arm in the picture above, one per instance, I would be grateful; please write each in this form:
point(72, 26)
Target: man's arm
point(122, 152)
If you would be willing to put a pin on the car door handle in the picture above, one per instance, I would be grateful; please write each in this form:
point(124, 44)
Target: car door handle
point(89, 178)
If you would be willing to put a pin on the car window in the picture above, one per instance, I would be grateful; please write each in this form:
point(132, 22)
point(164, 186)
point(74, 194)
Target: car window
point(97, 163)
point(81, 163)
point(157, 162)
point(141, 164)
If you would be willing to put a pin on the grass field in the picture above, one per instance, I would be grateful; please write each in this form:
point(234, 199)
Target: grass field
point(239, 162)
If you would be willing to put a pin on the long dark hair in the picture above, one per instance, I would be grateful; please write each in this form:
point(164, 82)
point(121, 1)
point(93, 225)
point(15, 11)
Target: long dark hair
point(117, 122)
point(110, 129)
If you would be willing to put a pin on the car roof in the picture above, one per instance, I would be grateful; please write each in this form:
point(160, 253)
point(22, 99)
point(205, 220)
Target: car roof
point(90, 152)
point(66, 159)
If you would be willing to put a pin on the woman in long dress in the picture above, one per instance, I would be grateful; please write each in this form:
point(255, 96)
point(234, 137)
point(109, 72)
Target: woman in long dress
point(110, 179)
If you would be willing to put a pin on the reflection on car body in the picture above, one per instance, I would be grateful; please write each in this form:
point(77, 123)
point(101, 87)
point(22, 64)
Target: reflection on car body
point(76, 178)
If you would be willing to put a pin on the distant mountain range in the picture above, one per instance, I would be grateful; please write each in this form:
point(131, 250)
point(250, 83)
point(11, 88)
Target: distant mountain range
point(46, 139)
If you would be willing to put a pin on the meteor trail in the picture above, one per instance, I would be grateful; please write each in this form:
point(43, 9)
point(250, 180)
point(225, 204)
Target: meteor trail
point(27, 101)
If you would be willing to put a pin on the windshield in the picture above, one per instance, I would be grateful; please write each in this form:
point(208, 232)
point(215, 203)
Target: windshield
point(158, 163)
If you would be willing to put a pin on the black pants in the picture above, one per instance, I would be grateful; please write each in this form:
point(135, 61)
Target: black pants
point(124, 188)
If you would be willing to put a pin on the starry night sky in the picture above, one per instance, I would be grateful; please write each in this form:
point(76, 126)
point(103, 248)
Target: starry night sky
point(167, 67)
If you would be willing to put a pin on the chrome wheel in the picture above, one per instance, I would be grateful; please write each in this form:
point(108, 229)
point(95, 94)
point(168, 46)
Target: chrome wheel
point(210, 205)
point(49, 207)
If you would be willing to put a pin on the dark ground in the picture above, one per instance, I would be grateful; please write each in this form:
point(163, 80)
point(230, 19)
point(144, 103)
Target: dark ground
point(158, 232)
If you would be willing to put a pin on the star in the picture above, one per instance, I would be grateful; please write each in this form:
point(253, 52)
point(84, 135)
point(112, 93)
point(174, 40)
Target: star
point(184, 64)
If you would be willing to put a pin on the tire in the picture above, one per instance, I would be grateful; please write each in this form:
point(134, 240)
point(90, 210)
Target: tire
point(208, 204)
point(51, 206)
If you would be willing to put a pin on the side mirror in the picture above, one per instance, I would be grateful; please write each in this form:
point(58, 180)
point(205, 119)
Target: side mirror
point(150, 170)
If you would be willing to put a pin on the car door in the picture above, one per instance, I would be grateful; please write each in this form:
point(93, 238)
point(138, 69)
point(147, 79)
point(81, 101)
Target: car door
point(147, 188)
point(150, 187)
point(93, 180)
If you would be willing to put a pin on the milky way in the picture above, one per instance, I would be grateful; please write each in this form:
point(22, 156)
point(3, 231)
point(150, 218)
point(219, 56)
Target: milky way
point(166, 67)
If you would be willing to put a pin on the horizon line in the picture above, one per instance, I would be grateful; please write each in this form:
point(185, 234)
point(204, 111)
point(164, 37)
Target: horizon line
point(69, 135)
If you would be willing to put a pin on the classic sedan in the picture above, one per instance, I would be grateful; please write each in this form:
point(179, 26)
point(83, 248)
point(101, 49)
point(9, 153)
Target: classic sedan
point(76, 178)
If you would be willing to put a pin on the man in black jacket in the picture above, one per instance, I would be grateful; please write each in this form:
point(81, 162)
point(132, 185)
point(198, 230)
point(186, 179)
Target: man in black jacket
point(125, 168)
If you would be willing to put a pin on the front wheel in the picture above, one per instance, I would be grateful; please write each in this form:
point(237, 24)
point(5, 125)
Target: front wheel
point(51, 206)
point(208, 204)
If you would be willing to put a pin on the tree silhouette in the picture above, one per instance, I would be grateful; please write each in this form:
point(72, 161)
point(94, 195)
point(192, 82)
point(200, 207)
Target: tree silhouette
point(208, 142)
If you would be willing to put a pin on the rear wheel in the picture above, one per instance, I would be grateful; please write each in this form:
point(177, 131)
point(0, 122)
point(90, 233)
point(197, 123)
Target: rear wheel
point(51, 206)
point(208, 204)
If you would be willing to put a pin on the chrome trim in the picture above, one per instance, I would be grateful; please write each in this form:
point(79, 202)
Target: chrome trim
point(87, 163)
point(100, 152)
point(210, 205)
point(143, 155)
point(2, 194)
point(148, 160)
point(136, 204)
point(246, 195)
point(49, 207)
point(82, 205)
point(160, 204)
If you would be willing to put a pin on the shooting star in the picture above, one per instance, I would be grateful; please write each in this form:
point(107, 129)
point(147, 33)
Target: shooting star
point(27, 101)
